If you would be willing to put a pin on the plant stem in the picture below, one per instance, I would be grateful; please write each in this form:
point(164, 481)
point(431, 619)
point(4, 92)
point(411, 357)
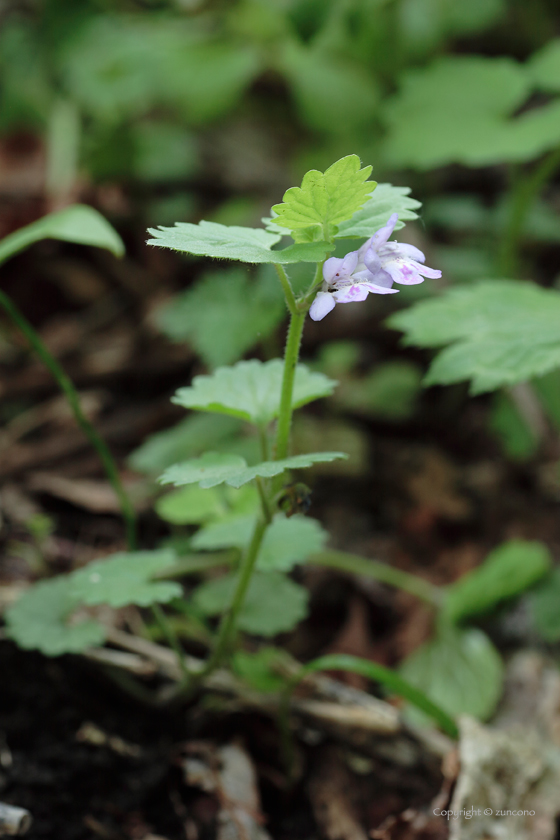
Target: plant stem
point(172, 639)
point(291, 356)
point(357, 565)
point(229, 620)
point(523, 195)
point(69, 391)
point(287, 287)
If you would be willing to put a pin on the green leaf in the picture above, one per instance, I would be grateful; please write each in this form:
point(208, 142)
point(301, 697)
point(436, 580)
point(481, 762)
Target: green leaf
point(189, 506)
point(78, 223)
point(460, 670)
point(325, 198)
point(224, 314)
point(258, 669)
point(216, 468)
point(544, 604)
point(123, 579)
point(386, 677)
point(229, 242)
point(273, 604)
point(290, 541)
point(501, 332)
point(508, 571)
point(251, 390)
point(188, 438)
point(385, 200)
point(287, 541)
point(210, 469)
point(41, 619)
point(323, 84)
point(233, 532)
point(518, 439)
point(163, 152)
point(390, 391)
point(459, 110)
point(544, 67)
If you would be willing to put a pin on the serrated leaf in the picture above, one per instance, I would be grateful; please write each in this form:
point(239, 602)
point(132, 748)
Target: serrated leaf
point(188, 438)
point(460, 110)
point(41, 619)
point(385, 200)
point(78, 223)
point(507, 571)
point(544, 604)
point(268, 469)
point(273, 604)
point(216, 468)
point(210, 469)
point(229, 242)
point(460, 670)
point(290, 541)
point(224, 314)
point(325, 198)
point(251, 390)
point(122, 579)
point(501, 332)
point(287, 541)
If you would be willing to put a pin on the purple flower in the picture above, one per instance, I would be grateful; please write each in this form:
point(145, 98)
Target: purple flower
point(373, 268)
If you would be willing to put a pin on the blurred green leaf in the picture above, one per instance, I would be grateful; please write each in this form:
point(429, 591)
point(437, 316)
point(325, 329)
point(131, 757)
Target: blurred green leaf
point(164, 152)
point(193, 505)
point(287, 541)
point(389, 392)
point(250, 245)
point(232, 532)
point(458, 110)
point(325, 198)
point(385, 201)
point(189, 506)
point(41, 619)
point(517, 438)
point(224, 314)
point(290, 541)
point(274, 603)
point(545, 607)
point(508, 571)
point(332, 94)
point(501, 332)
point(78, 223)
point(251, 390)
point(122, 579)
point(188, 438)
point(258, 668)
point(544, 67)
point(460, 670)
point(425, 24)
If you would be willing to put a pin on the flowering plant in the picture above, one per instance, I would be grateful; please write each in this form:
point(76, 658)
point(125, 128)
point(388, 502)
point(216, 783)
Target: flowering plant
point(250, 514)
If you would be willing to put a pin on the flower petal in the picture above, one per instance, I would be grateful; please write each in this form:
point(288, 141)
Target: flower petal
point(350, 294)
point(382, 235)
point(321, 306)
point(336, 269)
point(401, 249)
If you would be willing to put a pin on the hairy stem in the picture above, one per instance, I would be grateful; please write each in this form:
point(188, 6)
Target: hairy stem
point(291, 356)
point(229, 620)
point(69, 391)
point(523, 195)
point(287, 287)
